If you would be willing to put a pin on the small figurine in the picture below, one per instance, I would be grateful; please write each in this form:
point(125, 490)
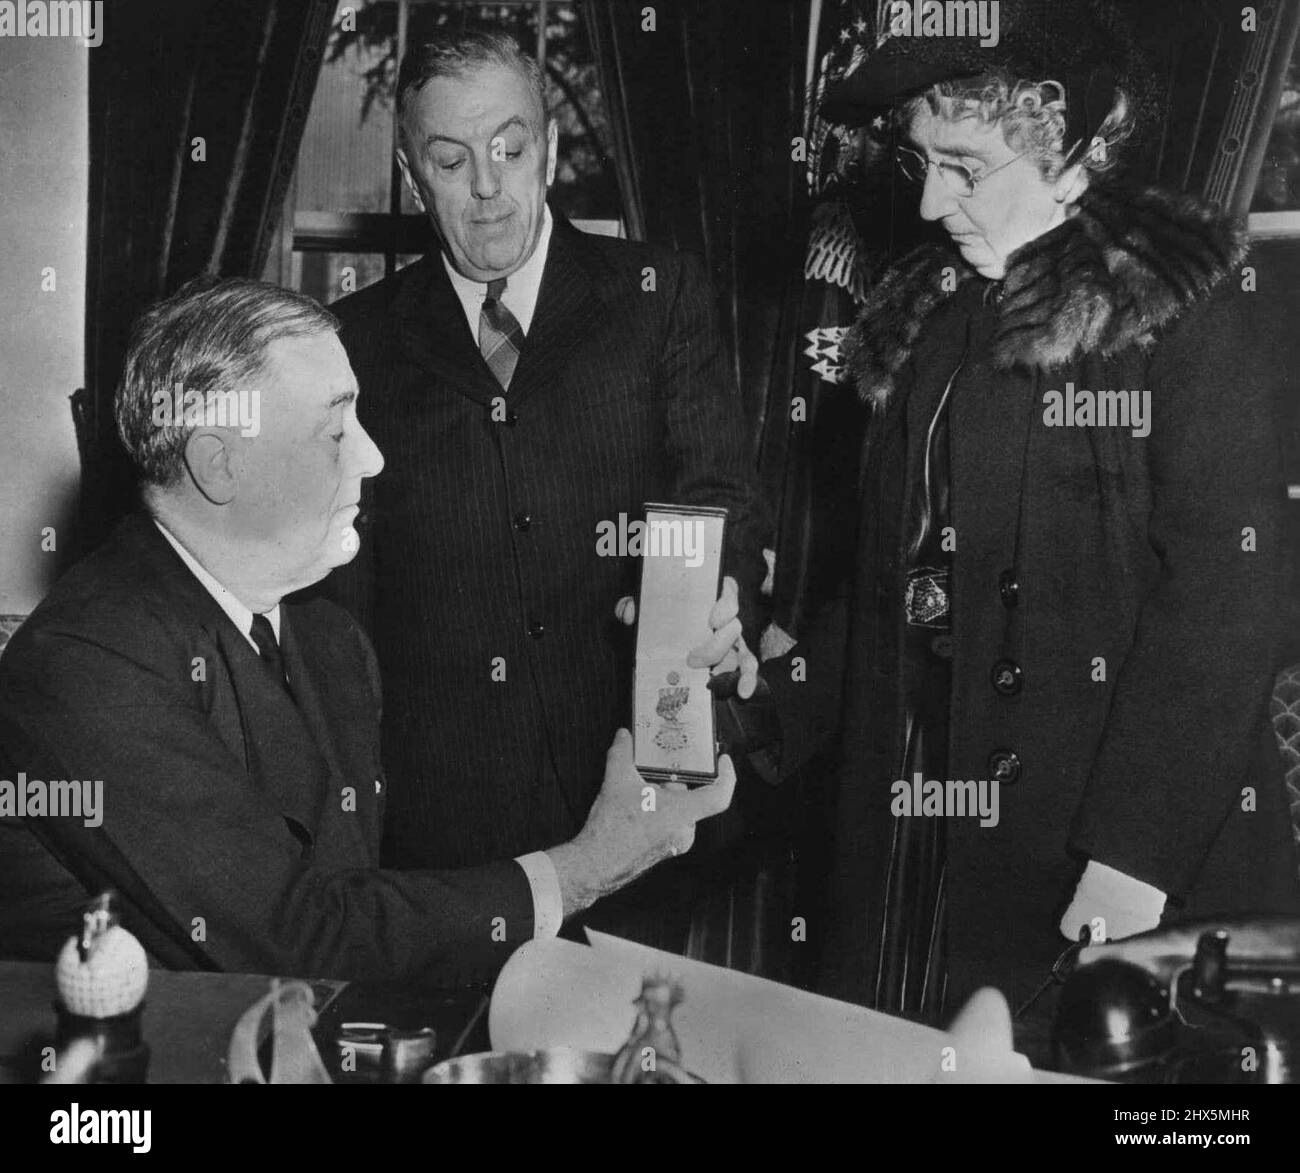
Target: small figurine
point(652, 1053)
point(101, 978)
point(291, 1008)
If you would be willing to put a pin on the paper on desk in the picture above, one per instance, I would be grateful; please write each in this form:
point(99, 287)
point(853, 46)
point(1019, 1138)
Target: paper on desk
point(733, 1027)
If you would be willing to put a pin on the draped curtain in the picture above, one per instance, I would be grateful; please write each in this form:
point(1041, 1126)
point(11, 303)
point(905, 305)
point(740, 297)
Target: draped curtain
point(1220, 67)
point(704, 108)
point(196, 112)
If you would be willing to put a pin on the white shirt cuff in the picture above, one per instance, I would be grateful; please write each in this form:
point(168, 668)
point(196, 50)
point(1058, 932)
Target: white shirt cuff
point(1125, 905)
point(548, 903)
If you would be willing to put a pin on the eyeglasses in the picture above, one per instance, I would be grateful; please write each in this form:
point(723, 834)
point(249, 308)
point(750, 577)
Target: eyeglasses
point(961, 180)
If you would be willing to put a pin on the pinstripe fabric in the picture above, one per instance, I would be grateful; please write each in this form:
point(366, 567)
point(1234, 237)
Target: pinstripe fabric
point(505, 672)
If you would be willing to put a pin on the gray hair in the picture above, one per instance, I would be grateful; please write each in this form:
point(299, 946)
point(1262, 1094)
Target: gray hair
point(1032, 118)
point(208, 339)
point(456, 54)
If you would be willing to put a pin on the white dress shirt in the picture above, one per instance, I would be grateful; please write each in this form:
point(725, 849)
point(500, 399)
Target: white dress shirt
point(543, 882)
point(522, 287)
point(240, 615)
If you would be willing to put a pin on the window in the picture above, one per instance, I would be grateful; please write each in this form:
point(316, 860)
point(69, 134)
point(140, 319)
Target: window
point(348, 220)
point(1275, 208)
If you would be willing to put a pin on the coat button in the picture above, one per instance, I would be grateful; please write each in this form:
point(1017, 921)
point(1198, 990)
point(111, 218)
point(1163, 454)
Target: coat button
point(1007, 677)
point(523, 521)
point(1004, 767)
point(1008, 588)
point(536, 629)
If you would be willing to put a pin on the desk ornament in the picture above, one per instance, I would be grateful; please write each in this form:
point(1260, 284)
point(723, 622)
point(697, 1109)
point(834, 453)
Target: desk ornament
point(101, 976)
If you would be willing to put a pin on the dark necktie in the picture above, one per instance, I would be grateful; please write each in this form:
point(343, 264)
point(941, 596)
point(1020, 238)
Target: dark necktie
point(263, 635)
point(500, 336)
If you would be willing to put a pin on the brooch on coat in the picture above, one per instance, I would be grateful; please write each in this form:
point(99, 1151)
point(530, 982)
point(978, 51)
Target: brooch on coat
point(926, 600)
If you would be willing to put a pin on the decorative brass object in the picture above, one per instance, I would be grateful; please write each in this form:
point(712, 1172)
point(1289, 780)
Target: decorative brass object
point(652, 1053)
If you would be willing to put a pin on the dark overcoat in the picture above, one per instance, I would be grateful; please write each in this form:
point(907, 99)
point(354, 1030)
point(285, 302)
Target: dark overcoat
point(1118, 600)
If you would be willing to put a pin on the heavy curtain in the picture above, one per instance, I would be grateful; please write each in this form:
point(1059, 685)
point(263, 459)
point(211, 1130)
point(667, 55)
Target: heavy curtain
point(705, 99)
point(196, 112)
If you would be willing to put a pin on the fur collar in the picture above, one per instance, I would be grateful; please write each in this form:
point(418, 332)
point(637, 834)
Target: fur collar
point(1125, 265)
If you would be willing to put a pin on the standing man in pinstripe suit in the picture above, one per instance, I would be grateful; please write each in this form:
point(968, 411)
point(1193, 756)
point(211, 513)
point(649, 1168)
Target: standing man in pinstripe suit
point(526, 383)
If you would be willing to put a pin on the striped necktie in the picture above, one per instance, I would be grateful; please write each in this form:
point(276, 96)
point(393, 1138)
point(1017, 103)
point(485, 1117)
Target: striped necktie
point(499, 334)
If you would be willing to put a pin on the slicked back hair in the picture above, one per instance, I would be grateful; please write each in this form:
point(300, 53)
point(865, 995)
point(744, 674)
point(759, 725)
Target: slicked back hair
point(456, 54)
point(210, 339)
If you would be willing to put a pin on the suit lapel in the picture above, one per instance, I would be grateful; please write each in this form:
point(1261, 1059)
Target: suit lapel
point(568, 308)
point(282, 752)
point(317, 676)
point(435, 335)
point(279, 749)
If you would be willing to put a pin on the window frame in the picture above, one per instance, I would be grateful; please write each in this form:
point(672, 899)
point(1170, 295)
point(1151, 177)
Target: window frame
point(396, 232)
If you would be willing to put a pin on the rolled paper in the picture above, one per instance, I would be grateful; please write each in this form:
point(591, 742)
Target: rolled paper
point(734, 1027)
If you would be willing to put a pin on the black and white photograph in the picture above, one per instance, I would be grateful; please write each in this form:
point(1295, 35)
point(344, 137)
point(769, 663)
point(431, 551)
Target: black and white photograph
point(697, 542)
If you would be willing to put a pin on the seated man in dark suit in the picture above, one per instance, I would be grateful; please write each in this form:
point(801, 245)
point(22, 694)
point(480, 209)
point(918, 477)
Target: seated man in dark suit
point(235, 736)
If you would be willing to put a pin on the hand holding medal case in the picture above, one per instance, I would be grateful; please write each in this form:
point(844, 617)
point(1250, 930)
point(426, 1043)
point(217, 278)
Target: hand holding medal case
point(672, 706)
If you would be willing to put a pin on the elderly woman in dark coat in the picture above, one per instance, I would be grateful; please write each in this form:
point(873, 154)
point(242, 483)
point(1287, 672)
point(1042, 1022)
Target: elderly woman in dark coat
point(1070, 556)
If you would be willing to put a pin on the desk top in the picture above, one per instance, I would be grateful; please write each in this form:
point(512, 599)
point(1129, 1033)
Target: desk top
point(188, 1018)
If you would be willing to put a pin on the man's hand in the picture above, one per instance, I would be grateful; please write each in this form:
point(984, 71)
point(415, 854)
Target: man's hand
point(725, 650)
point(633, 825)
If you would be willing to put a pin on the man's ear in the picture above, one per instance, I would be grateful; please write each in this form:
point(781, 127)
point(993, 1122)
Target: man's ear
point(552, 147)
point(405, 165)
point(208, 458)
